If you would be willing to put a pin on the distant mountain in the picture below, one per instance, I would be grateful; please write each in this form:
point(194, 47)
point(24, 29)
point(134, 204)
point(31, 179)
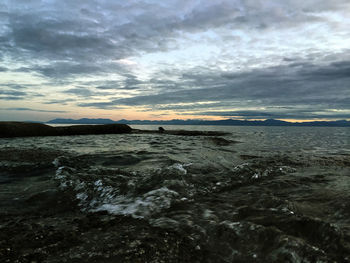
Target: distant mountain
point(228, 122)
point(81, 121)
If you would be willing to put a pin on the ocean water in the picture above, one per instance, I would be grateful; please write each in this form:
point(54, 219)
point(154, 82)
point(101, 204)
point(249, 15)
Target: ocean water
point(257, 194)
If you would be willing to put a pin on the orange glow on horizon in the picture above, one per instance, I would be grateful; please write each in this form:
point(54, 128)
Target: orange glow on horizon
point(139, 114)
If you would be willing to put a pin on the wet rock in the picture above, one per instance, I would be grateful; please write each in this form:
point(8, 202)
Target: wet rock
point(121, 160)
point(19, 163)
point(23, 129)
point(195, 133)
point(248, 157)
point(182, 132)
point(93, 129)
point(291, 249)
point(91, 238)
point(221, 141)
point(31, 155)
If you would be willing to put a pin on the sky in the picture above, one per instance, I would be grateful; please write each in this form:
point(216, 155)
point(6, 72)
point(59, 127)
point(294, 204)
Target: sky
point(178, 59)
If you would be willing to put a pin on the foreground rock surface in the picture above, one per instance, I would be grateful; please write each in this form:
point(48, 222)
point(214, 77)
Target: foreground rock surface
point(23, 129)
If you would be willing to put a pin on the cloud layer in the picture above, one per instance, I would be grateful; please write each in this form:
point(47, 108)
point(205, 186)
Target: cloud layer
point(240, 59)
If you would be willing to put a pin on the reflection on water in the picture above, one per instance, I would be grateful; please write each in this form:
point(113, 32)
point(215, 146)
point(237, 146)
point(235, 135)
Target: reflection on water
point(259, 194)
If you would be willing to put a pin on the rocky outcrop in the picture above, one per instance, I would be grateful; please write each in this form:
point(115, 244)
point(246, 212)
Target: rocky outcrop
point(26, 129)
point(23, 129)
point(93, 129)
point(182, 132)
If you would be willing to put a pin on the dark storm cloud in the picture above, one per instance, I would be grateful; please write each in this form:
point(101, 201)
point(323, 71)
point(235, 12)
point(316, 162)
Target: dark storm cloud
point(100, 105)
point(54, 37)
point(336, 70)
point(131, 82)
point(66, 31)
point(66, 71)
point(29, 109)
point(89, 32)
point(61, 102)
point(10, 98)
point(15, 86)
point(107, 87)
point(12, 93)
point(85, 92)
point(65, 41)
point(288, 90)
point(61, 70)
point(47, 34)
point(237, 113)
point(17, 92)
point(285, 85)
point(128, 82)
point(192, 106)
point(268, 114)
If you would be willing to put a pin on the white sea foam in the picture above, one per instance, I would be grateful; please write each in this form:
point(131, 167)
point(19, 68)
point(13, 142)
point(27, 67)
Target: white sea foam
point(56, 162)
point(95, 195)
point(150, 203)
point(179, 167)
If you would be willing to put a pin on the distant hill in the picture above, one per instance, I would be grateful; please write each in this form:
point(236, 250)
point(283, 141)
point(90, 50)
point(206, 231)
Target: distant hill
point(82, 121)
point(228, 122)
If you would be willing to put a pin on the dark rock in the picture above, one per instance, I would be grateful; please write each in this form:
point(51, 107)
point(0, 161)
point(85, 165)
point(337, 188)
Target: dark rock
point(196, 133)
point(182, 132)
point(22, 129)
point(93, 129)
point(221, 141)
point(161, 129)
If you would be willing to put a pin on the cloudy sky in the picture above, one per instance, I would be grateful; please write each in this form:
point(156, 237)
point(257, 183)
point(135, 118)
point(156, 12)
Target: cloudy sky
point(184, 59)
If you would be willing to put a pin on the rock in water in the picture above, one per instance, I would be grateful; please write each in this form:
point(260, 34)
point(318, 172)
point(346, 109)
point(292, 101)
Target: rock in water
point(23, 129)
point(94, 129)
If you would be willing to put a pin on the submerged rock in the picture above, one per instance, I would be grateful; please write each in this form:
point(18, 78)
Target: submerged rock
point(181, 132)
point(24, 129)
point(221, 141)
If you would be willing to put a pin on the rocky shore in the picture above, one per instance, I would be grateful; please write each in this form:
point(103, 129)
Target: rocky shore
point(181, 132)
point(26, 129)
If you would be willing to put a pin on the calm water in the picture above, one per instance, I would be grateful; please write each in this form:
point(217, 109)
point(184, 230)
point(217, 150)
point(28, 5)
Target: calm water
point(259, 194)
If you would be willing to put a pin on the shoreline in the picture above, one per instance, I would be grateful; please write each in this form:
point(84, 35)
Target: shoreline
point(23, 129)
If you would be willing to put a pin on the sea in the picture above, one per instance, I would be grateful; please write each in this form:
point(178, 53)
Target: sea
point(255, 194)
